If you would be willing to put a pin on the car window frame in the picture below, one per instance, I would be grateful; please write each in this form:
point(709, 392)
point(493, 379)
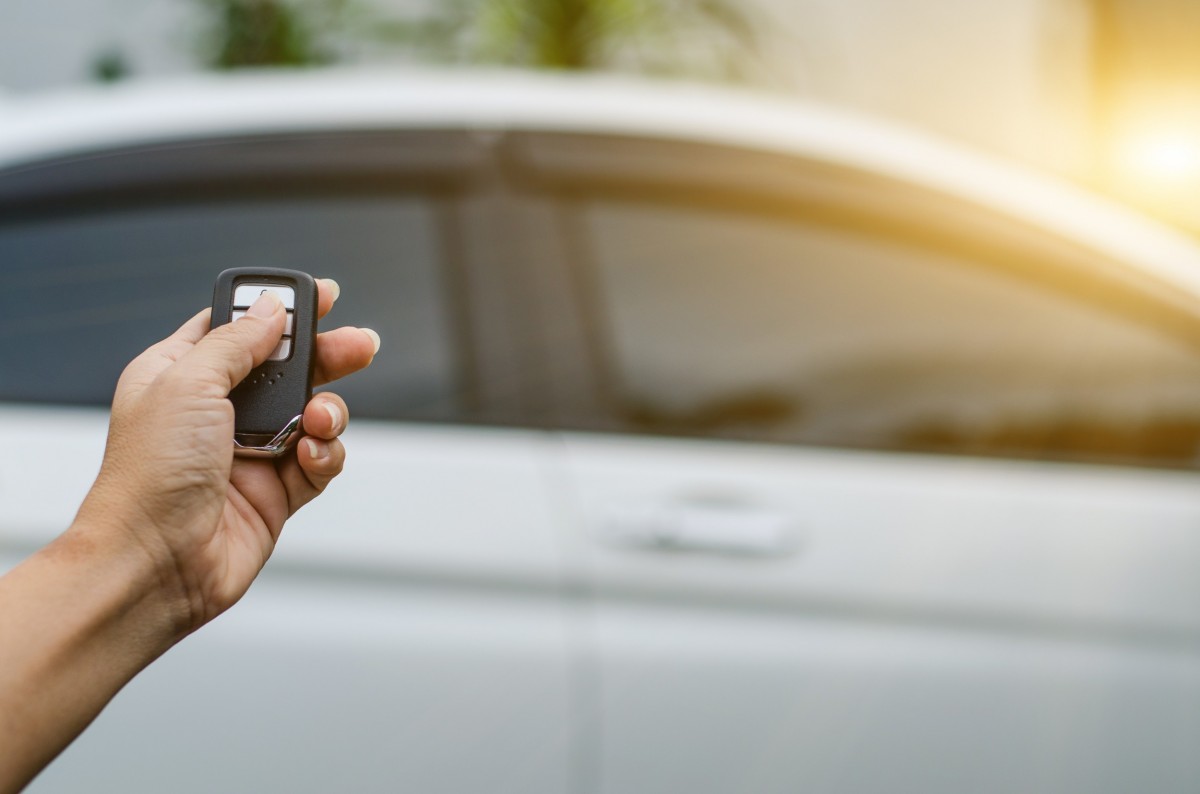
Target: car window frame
point(199, 171)
point(840, 198)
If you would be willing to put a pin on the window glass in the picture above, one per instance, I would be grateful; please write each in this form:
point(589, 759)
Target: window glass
point(83, 294)
point(722, 324)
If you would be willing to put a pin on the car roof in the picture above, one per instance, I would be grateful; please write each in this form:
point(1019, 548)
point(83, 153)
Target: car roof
point(249, 103)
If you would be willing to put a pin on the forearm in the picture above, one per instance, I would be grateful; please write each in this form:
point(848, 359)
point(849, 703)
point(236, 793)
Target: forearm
point(78, 620)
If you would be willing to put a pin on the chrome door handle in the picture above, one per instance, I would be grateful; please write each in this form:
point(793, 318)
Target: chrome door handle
point(727, 530)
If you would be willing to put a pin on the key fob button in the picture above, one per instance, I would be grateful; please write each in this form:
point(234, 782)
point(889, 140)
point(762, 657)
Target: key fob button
point(282, 352)
point(246, 294)
point(288, 328)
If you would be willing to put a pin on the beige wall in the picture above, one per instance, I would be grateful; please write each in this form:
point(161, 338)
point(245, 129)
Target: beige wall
point(1011, 76)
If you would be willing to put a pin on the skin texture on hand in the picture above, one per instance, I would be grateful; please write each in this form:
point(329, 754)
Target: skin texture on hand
point(172, 533)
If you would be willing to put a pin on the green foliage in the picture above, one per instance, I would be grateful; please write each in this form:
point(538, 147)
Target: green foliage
point(705, 38)
point(110, 66)
point(268, 32)
point(697, 38)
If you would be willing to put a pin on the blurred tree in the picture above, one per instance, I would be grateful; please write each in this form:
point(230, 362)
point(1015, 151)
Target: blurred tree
point(269, 32)
point(701, 38)
point(110, 66)
point(697, 38)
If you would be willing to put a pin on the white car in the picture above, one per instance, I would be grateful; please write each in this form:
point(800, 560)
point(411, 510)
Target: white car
point(716, 444)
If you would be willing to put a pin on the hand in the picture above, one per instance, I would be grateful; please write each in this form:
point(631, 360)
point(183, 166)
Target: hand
point(170, 486)
point(172, 533)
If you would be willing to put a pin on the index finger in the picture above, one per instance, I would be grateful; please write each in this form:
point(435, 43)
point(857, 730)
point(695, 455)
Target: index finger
point(343, 351)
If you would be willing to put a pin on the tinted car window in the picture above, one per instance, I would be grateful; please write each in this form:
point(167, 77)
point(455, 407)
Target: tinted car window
point(720, 323)
point(84, 293)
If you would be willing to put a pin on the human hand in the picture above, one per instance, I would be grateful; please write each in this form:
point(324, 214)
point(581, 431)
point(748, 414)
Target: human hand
point(172, 533)
point(170, 486)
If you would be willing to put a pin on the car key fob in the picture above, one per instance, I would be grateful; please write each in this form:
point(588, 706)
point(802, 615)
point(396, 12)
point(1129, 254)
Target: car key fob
point(269, 404)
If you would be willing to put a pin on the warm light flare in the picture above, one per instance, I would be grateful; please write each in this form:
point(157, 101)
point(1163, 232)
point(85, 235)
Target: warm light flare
point(1161, 158)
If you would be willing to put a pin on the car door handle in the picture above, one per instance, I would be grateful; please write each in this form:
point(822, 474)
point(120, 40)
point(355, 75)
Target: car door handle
point(726, 530)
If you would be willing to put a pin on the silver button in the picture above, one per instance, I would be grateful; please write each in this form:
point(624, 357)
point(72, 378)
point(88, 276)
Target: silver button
point(282, 352)
point(246, 294)
point(287, 327)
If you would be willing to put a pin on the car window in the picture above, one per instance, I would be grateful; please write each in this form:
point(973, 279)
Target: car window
point(85, 292)
point(727, 324)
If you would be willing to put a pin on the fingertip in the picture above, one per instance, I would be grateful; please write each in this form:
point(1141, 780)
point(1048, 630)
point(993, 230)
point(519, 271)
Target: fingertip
point(321, 460)
point(374, 337)
point(335, 415)
point(267, 305)
point(328, 291)
point(326, 416)
point(335, 289)
point(343, 351)
point(317, 450)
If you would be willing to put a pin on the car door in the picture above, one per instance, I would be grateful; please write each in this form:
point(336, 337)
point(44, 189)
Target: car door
point(410, 632)
point(902, 493)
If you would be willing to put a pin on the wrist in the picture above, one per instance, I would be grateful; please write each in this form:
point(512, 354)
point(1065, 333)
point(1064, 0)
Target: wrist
point(136, 590)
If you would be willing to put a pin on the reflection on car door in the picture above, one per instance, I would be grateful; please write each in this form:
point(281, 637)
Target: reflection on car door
point(792, 594)
point(928, 626)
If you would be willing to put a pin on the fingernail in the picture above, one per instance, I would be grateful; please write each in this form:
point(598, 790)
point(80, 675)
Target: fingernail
point(334, 287)
point(374, 337)
point(335, 414)
point(317, 450)
point(266, 305)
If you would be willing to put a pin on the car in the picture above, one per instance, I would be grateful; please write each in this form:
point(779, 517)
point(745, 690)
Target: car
point(718, 442)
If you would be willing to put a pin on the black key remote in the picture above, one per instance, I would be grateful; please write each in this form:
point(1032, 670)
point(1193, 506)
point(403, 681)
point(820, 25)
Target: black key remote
point(269, 403)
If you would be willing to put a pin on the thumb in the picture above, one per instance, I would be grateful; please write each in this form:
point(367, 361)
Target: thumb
point(227, 354)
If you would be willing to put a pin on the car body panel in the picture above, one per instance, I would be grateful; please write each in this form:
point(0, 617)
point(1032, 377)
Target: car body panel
point(715, 701)
point(912, 538)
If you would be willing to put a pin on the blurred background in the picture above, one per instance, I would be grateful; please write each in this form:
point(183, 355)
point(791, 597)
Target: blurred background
point(1100, 91)
point(715, 445)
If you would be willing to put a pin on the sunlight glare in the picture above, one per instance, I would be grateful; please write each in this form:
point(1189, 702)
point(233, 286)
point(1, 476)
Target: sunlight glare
point(1162, 158)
